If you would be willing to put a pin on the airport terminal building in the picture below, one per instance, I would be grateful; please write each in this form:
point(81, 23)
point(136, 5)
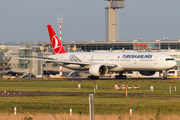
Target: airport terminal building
point(171, 47)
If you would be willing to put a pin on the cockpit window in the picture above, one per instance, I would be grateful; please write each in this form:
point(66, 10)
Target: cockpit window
point(167, 59)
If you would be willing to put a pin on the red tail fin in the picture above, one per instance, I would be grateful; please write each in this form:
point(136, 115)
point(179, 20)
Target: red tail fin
point(56, 45)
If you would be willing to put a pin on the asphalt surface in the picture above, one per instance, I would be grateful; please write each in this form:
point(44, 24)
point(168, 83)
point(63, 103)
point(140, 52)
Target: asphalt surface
point(85, 79)
point(128, 79)
point(21, 94)
point(62, 93)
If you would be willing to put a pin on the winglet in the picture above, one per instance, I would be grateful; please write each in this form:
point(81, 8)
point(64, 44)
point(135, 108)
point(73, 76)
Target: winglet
point(56, 45)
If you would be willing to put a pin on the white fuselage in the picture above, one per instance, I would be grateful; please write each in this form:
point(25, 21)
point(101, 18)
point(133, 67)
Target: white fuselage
point(125, 61)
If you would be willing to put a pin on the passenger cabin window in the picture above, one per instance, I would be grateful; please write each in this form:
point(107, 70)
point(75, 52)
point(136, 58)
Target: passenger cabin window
point(167, 59)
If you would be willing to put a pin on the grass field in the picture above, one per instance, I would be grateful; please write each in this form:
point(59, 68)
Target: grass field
point(161, 87)
point(159, 102)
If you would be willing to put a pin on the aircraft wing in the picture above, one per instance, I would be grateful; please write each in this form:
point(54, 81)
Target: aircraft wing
point(36, 57)
point(4, 72)
point(7, 71)
point(65, 62)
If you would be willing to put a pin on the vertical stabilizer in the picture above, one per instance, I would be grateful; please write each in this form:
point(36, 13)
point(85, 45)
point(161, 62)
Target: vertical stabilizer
point(56, 45)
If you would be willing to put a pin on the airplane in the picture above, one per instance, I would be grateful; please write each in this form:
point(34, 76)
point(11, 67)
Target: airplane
point(100, 63)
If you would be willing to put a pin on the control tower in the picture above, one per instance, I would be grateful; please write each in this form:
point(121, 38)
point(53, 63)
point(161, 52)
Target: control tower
point(111, 19)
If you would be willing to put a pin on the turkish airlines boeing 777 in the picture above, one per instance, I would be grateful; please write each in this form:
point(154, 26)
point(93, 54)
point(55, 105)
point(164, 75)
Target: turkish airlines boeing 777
point(100, 63)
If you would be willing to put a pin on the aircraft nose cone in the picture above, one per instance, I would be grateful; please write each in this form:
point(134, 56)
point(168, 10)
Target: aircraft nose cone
point(171, 64)
point(174, 63)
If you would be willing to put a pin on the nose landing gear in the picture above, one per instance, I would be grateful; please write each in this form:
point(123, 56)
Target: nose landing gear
point(164, 77)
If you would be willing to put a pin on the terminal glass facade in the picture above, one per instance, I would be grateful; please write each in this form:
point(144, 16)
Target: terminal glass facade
point(25, 63)
point(170, 46)
point(125, 46)
point(88, 48)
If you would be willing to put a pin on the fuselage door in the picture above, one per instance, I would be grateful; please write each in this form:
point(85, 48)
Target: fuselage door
point(89, 59)
point(155, 60)
point(135, 61)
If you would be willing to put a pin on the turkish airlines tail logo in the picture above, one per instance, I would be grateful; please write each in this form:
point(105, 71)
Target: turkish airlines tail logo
point(56, 45)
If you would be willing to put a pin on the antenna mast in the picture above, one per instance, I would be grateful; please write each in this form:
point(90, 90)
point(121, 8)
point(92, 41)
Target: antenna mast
point(59, 20)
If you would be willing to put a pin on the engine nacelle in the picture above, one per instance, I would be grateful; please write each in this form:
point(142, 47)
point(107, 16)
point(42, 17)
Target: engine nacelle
point(98, 70)
point(147, 73)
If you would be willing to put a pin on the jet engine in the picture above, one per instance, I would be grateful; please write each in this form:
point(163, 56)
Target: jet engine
point(147, 73)
point(98, 70)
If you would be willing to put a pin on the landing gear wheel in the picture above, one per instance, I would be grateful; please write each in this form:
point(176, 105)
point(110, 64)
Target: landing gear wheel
point(164, 77)
point(120, 76)
point(116, 76)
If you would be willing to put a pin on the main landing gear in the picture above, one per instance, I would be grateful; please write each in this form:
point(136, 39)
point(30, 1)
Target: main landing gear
point(164, 77)
point(120, 76)
point(92, 78)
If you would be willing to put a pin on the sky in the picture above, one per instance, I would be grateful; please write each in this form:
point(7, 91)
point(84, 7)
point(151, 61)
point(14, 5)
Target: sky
point(84, 20)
